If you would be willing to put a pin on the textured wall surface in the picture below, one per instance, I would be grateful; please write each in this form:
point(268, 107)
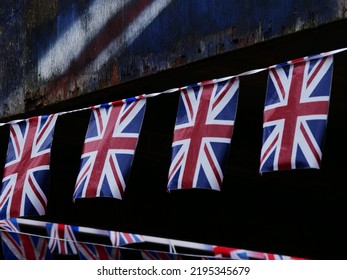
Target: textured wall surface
point(56, 50)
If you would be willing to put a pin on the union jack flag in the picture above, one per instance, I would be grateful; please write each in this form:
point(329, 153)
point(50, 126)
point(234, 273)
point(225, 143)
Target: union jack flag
point(109, 148)
point(295, 114)
point(25, 181)
point(18, 246)
point(62, 239)
point(98, 252)
point(236, 254)
point(202, 135)
point(240, 254)
point(155, 255)
point(269, 256)
point(9, 225)
point(119, 239)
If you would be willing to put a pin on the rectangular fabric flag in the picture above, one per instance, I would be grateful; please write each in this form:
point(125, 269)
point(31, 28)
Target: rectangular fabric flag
point(10, 225)
point(119, 239)
point(240, 254)
point(295, 114)
point(19, 246)
point(98, 252)
point(236, 254)
point(25, 182)
point(202, 135)
point(62, 240)
point(109, 148)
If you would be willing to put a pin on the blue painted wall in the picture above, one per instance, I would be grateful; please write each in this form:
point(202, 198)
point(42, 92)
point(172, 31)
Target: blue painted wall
point(55, 50)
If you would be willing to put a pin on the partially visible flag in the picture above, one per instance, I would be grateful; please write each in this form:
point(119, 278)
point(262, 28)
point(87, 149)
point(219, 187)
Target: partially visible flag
point(269, 256)
point(17, 246)
point(109, 148)
point(295, 114)
point(156, 255)
point(236, 254)
point(62, 239)
point(240, 254)
point(10, 225)
point(202, 135)
point(25, 181)
point(98, 252)
point(119, 239)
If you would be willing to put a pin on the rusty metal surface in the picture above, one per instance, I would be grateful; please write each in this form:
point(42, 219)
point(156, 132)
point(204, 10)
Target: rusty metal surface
point(56, 50)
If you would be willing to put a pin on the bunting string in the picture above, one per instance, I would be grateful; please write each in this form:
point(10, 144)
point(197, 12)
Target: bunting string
point(208, 252)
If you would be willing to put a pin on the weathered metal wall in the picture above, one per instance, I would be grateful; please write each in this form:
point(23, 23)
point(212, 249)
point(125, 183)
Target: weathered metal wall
point(55, 50)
